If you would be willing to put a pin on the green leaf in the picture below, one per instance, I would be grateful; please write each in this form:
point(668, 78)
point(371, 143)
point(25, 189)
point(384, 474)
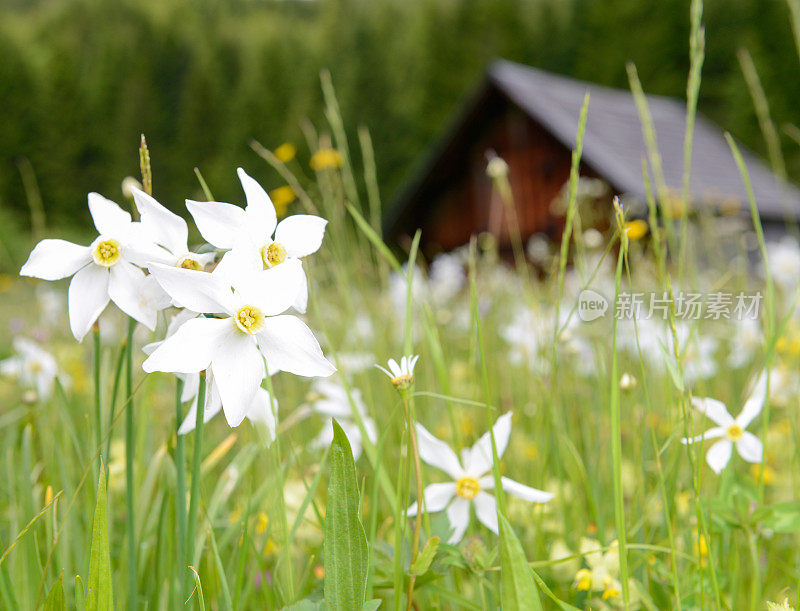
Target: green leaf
point(55, 598)
point(100, 596)
point(306, 605)
point(345, 546)
point(423, 561)
point(372, 605)
point(785, 518)
point(517, 586)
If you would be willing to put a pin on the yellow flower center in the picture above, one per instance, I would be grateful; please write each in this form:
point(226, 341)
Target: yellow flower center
point(734, 432)
point(106, 253)
point(403, 382)
point(249, 319)
point(467, 488)
point(273, 254)
point(188, 262)
point(583, 580)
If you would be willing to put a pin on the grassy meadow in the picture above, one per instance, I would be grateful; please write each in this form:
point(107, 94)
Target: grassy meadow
point(598, 409)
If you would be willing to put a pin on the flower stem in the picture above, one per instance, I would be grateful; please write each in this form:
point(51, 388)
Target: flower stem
point(412, 434)
point(197, 458)
point(97, 398)
point(129, 447)
point(114, 394)
point(180, 492)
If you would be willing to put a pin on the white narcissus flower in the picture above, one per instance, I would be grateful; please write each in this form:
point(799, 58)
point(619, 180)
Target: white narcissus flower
point(256, 228)
point(170, 232)
point(33, 365)
point(249, 329)
point(104, 270)
point(260, 411)
point(731, 429)
point(471, 479)
point(331, 400)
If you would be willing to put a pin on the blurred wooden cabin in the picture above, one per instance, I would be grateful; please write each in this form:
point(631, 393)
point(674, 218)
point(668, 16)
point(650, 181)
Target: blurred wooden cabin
point(530, 118)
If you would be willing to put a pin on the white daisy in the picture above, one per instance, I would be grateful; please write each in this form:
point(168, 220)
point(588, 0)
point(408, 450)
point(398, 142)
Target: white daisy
point(401, 375)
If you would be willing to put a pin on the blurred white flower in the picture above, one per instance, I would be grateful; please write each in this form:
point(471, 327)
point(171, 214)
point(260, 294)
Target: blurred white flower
point(747, 339)
point(256, 229)
point(731, 429)
point(401, 375)
point(32, 365)
point(250, 329)
point(331, 400)
point(784, 262)
point(446, 277)
point(538, 248)
point(104, 270)
point(471, 479)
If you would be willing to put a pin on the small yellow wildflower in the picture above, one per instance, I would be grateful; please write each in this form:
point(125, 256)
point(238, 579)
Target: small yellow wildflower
point(769, 473)
point(270, 548)
point(326, 159)
point(262, 521)
point(281, 198)
point(636, 229)
point(319, 572)
point(583, 580)
point(286, 152)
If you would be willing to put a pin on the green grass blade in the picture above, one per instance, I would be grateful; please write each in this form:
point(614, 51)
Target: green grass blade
point(100, 595)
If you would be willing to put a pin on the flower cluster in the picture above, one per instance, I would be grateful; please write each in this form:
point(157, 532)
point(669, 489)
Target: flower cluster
point(234, 322)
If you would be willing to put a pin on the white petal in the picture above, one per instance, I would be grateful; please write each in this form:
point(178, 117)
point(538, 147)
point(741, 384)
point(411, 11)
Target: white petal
point(126, 288)
point(437, 453)
point(108, 217)
point(212, 407)
point(88, 297)
point(261, 217)
point(191, 348)
point(11, 366)
point(301, 301)
point(163, 226)
point(260, 411)
point(238, 371)
point(713, 409)
point(220, 224)
point(55, 259)
point(144, 254)
point(526, 493)
point(750, 447)
point(191, 384)
point(239, 264)
point(712, 433)
point(395, 368)
point(486, 510)
point(754, 404)
point(289, 345)
point(719, 454)
point(274, 290)
point(301, 234)
point(437, 496)
point(194, 290)
point(480, 455)
point(458, 515)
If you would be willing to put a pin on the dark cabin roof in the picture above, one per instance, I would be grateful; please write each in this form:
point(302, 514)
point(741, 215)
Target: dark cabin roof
point(613, 144)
